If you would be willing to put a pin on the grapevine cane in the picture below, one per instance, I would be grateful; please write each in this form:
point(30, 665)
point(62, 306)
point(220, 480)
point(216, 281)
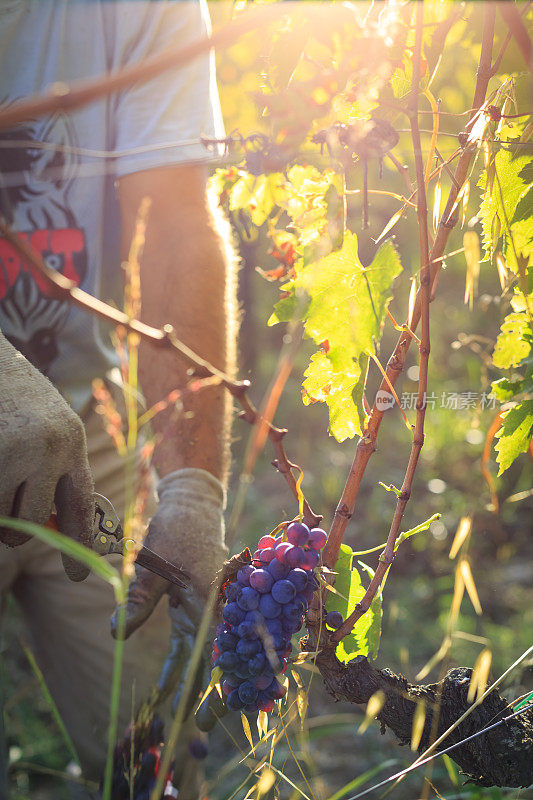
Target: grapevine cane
point(448, 220)
point(386, 558)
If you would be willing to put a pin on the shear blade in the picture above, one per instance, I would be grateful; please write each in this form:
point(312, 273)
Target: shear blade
point(160, 566)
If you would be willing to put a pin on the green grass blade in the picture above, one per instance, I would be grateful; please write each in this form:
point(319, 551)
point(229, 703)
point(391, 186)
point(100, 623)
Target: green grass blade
point(366, 776)
point(114, 702)
point(66, 545)
point(524, 702)
point(50, 700)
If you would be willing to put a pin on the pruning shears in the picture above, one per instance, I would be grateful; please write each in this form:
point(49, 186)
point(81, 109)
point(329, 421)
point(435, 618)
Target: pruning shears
point(108, 537)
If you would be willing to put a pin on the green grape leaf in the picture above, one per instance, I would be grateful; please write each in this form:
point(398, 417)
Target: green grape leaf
point(402, 79)
point(257, 195)
point(315, 203)
point(364, 638)
point(504, 389)
point(514, 436)
point(346, 309)
point(524, 207)
point(341, 390)
point(507, 170)
point(512, 344)
point(373, 634)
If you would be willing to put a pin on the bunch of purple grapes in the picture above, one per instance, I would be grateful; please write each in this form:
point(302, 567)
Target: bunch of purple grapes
point(265, 606)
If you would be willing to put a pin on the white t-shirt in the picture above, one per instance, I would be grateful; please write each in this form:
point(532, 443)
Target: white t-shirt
point(57, 173)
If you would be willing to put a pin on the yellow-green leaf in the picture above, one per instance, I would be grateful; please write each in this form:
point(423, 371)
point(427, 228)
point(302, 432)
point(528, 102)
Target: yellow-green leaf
point(514, 437)
point(247, 730)
point(419, 720)
point(373, 707)
point(364, 638)
point(344, 313)
point(513, 342)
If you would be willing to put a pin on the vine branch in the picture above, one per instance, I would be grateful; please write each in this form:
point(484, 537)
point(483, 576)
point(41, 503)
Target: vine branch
point(64, 289)
point(387, 556)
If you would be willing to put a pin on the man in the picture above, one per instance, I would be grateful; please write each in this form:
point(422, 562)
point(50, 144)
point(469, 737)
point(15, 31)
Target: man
point(72, 187)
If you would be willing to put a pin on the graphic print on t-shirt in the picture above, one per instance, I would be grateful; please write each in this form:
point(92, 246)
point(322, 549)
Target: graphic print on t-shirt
point(34, 189)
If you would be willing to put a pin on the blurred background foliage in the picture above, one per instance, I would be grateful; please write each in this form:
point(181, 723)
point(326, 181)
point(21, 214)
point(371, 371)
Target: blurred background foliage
point(449, 480)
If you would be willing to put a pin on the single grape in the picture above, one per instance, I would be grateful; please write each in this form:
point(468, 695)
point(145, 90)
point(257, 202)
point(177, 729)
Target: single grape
point(205, 718)
point(267, 555)
point(276, 690)
point(227, 641)
point(254, 617)
point(298, 533)
point(246, 630)
point(274, 626)
point(281, 549)
point(233, 614)
point(228, 661)
point(231, 591)
point(317, 538)
point(248, 599)
point(283, 591)
point(232, 680)
point(308, 594)
point(227, 687)
point(277, 664)
point(334, 619)
point(268, 607)
point(277, 569)
point(298, 578)
point(246, 648)
point(292, 611)
point(247, 692)
point(301, 601)
point(294, 557)
point(220, 628)
point(290, 626)
point(279, 641)
point(261, 581)
point(198, 749)
point(233, 700)
point(243, 575)
point(251, 709)
point(310, 559)
point(257, 664)
point(266, 541)
point(264, 703)
point(242, 670)
point(263, 681)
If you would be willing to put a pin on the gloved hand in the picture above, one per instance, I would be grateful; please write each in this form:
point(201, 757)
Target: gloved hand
point(188, 530)
point(43, 457)
point(185, 620)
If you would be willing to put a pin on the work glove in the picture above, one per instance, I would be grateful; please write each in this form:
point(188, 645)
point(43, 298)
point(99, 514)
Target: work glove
point(184, 621)
point(43, 457)
point(188, 530)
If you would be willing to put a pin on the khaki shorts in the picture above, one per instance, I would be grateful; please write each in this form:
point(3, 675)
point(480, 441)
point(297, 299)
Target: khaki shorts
point(68, 623)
